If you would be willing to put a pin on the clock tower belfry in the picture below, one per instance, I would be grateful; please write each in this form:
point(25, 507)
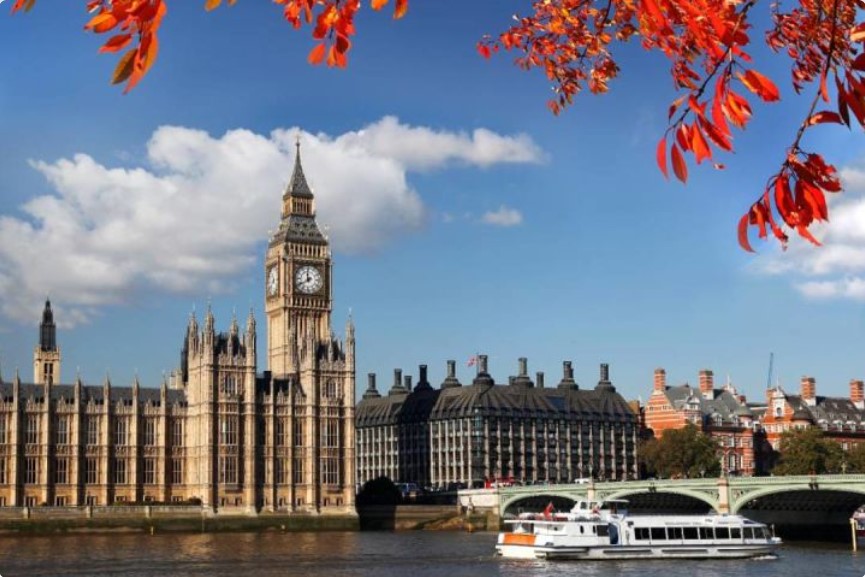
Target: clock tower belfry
point(297, 271)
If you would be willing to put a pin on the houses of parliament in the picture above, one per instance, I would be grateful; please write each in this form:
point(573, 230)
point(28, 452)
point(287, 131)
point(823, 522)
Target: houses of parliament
point(218, 432)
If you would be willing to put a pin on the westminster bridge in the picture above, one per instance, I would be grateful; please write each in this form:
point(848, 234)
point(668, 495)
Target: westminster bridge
point(807, 500)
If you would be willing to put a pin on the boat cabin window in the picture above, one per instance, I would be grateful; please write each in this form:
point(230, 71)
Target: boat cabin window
point(603, 530)
point(764, 533)
point(658, 534)
point(582, 529)
point(707, 533)
point(641, 533)
point(691, 533)
point(722, 533)
point(749, 532)
point(735, 533)
point(674, 532)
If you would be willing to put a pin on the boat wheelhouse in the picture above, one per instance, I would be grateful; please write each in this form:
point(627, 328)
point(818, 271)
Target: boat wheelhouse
point(603, 530)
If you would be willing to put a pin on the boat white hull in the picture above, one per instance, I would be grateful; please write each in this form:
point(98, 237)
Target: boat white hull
point(740, 551)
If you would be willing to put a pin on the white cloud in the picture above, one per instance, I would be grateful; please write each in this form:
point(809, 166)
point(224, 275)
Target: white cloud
point(504, 216)
point(837, 269)
point(853, 288)
point(190, 218)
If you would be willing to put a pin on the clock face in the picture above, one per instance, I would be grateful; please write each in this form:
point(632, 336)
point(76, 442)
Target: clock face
point(272, 281)
point(307, 279)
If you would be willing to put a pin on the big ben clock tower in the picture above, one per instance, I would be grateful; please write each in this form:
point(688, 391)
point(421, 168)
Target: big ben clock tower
point(311, 371)
point(297, 272)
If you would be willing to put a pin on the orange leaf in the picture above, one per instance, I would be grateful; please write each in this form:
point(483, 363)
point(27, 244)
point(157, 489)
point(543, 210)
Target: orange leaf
point(316, 55)
point(760, 85)
point(679, 167)
point(699, 144)
point(124, 67)
point(212, 4)
point(743, 233)
point(824, 92)
point(661, 156)
point(805, 233)
point(825, 116)
point(379, 4)
point(101, 22)
point(116, 43)
point(400, 9)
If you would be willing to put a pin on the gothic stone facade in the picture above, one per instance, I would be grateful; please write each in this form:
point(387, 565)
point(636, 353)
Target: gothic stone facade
point(472, 435)
point(219, 432)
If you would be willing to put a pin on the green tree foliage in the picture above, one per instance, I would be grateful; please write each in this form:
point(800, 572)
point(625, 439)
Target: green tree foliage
point(856, 459)
point(685, 452)
point(807, 452)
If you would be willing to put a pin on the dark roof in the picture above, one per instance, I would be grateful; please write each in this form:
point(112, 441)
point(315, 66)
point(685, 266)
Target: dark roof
point(722, 403)
point(95, 393)
point(827, 410)
point(517, 400)
point(296, 227)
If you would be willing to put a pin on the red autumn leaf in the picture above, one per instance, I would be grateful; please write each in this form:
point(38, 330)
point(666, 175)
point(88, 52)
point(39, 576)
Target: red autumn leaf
point(316, 55)
point(400, 9)
point(743, 234)
point(661, 156)
point(760, 85)
point(116, 43)
point(680, 169)
point(825, 116)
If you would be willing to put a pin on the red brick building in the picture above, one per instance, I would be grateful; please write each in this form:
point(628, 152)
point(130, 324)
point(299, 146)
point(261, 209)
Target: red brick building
point(842, 419)
point(721, 413)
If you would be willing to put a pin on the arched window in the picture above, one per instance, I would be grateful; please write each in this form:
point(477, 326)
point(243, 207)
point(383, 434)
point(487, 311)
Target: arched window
point(330, 389)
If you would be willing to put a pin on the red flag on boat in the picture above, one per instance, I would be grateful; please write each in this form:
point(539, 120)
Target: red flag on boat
point(548, 512)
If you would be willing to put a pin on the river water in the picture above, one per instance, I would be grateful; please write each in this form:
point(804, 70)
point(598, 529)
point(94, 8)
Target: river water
point(367, 554)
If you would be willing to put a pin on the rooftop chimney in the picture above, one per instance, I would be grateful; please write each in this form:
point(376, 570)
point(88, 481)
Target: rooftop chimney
point(522, 378)
point(451, 380)
point(857, 394)
point(371, 392)
point(407, 382)
point(660, 380)
point(483, 378)
point(539, 379)
point(567, 381)
point(397, 388)
point(808, 390)
point(422, 382)
point(707, 384)
point(604, 383)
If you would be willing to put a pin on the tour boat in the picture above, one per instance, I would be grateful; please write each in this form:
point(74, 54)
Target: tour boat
point(603, 530)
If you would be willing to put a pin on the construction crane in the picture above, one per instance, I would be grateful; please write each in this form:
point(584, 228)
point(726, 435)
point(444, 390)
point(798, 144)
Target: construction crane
point(771, 365)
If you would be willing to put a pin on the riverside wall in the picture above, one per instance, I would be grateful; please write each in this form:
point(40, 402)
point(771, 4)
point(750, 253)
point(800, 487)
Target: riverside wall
point(195, 519)
point(152, 519)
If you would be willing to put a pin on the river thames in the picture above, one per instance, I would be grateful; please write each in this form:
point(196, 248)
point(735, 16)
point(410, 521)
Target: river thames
point(372, 554)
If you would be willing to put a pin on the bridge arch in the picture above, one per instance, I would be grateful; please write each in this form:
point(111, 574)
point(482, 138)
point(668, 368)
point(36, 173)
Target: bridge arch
point(710, 500)
point(846, 498)
point(562, 501)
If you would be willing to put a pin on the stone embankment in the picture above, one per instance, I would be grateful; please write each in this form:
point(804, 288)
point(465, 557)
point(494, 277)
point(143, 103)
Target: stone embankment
point(153, 519)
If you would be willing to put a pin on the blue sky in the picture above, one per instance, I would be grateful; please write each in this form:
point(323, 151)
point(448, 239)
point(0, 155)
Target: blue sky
point(465, 217)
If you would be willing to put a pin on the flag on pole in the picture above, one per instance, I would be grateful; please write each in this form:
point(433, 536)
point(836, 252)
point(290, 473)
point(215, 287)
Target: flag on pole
point(473, 360)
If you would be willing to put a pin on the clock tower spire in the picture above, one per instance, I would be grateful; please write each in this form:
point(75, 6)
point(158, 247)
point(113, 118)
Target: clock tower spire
point(297, 275)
